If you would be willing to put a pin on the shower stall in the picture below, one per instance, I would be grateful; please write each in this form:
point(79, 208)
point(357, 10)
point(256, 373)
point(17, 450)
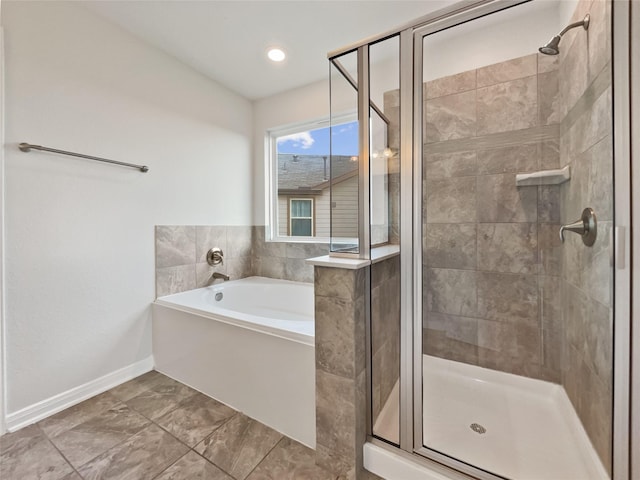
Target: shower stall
point(485, 207)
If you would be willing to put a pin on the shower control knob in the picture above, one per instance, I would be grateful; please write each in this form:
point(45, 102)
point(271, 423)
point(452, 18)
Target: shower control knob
point(214, 256)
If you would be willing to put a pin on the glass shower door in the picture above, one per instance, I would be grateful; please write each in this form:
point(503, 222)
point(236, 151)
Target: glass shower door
point(517, 325)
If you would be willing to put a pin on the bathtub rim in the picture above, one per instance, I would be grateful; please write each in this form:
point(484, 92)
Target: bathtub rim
point(239, 322)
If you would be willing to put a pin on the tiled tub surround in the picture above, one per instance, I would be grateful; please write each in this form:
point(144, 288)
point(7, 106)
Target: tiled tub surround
point(586, 288)
point(181, 251)
point(340, 316)
point(490, 249)
point(154, 427)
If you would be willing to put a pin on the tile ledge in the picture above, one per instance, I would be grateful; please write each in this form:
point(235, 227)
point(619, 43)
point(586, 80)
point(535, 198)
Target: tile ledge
point(378, 254)
point(338, 262)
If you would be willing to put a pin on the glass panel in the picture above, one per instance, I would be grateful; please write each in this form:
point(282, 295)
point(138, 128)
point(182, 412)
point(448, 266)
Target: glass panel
point(517, 326)
point(344, 154)
point(301, 227)
point(385, 275)
point(300, 208)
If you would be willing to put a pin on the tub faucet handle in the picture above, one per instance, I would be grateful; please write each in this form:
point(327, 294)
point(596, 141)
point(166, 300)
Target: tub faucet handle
point(214, 256)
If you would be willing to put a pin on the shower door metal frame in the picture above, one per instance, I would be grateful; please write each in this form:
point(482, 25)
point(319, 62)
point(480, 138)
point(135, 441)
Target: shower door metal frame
point(621, 17)
point(470, 13)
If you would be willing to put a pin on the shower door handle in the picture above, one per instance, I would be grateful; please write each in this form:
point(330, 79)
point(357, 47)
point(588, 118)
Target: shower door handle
point(586, 227)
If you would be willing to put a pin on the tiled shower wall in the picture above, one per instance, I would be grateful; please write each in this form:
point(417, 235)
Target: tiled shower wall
point(490, 249)
point(586, 145)
point(385, 330)
point(181, 251)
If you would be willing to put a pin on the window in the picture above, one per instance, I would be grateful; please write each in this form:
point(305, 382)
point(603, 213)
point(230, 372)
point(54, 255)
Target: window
point(301, 217)
point(299, 160)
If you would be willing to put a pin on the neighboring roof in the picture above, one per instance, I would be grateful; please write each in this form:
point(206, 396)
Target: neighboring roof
point(307, 172)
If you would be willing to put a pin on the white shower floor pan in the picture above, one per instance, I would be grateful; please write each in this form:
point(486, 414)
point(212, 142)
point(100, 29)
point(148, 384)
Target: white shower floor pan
point(530, 430)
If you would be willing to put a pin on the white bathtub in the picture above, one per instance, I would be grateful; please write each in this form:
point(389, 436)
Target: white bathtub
point(253, 349)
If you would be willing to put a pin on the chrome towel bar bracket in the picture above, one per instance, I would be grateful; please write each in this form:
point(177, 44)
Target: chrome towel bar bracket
point(27, 147)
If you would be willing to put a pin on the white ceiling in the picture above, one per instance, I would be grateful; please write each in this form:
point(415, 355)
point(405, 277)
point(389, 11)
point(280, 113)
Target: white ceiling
point(227, 40)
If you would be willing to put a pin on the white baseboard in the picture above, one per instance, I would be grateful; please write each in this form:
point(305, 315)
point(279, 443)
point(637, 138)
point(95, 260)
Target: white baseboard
point(38, 411)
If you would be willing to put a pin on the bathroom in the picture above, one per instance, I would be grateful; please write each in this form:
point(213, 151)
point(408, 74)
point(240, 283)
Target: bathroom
point(99, 243)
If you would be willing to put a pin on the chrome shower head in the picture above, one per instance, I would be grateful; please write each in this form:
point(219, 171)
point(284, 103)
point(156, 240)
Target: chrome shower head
point(552, 46)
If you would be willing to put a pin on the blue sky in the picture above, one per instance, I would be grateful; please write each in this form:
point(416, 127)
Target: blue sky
point(316, 142)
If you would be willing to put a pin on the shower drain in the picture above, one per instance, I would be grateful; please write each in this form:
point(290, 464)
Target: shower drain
point(476, 427)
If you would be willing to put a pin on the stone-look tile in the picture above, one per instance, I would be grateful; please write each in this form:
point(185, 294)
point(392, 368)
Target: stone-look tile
point(510, 70)
point(508, 297)
point(451, 200)
point(95, 436)
point(510, 159)
point(390, 99)
point(436, 343)
point(135, 387)
point(193, 467)
point(450, 245)
point(508, 247)
point(80, 413)
point(240, 267)
point(549, 204)
point(508, 106)
point(340, 283)
point(549, 249)
point(71, 476)
point(591, 127)
point(143, 456)
point(385, 372)
point(272, 267)
point(510, 340)
point(161, 399)
point(462, 329)
point(195, 418)
point(393, 132)
point(334, 461)
point(264, 249)
point(458, 83)
point(597, 414)
point(574, 68)
point(594, 273)
point(239, 445)
point(290, 460)
point(454, 164)
point(450, 291)
point(239, 241)
point(552, 325)
point(28, 453)
point(599, 36)
point(600, 186)
point(549, 101)
point(172, 280)
point(335, 331)
point(204, 273)
point(335, 421)
point(306, 250)
point(547, 63)
point(175, 245)
point(297, 270)
point(208, 237)
point(499, 200)
point(450, 117)
point(589, 327)
point(550, 154)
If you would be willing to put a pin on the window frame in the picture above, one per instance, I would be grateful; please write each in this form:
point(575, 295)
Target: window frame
point(291, 218)
point(271, 175)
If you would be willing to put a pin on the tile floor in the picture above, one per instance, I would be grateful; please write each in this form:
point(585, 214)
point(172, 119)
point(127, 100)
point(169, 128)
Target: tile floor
point(153, 428)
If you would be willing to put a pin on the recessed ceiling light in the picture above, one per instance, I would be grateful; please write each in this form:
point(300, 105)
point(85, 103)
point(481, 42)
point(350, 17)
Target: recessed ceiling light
point(276, 54)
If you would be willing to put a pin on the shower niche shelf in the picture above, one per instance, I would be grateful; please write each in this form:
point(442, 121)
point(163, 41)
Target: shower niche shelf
point(544, 177)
